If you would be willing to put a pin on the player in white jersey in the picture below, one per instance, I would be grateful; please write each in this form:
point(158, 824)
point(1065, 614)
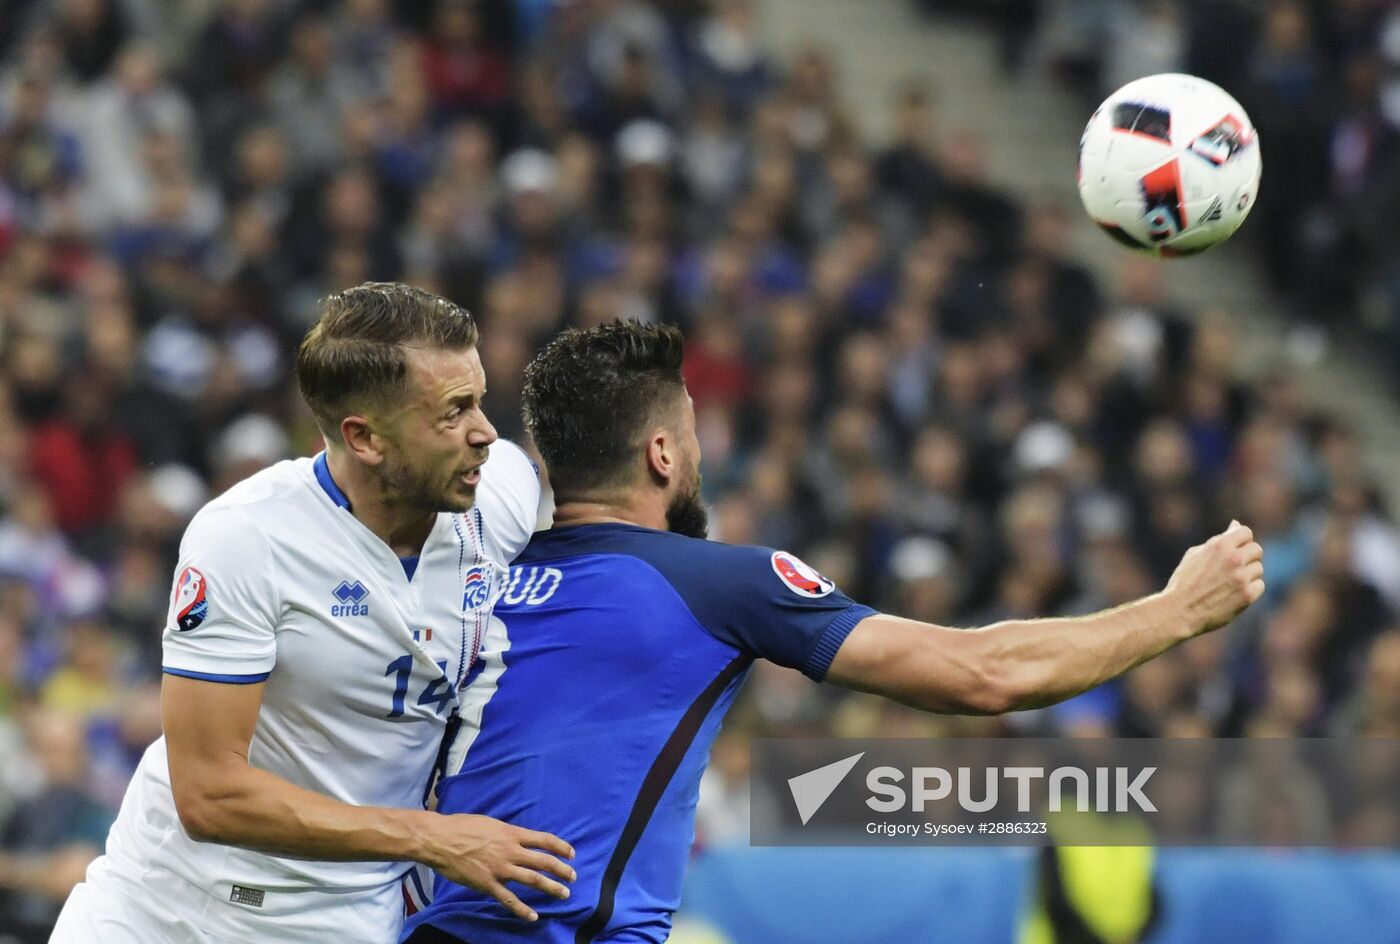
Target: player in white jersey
point(325, 615)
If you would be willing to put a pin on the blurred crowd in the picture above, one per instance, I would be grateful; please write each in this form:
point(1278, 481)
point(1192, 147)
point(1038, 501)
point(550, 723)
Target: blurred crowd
point(1320, 79)
point(899, 372)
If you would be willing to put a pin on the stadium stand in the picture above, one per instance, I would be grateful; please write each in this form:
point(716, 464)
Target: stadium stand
point(901, 371)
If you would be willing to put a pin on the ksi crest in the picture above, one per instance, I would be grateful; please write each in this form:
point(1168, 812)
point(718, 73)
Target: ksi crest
point(476, 588)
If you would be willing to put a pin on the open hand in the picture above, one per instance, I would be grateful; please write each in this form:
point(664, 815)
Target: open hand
point(484, 853)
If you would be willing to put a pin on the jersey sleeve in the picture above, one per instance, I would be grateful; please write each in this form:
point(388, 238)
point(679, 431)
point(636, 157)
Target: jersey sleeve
point(774, 606)
point(222, 625)
point(509, 499)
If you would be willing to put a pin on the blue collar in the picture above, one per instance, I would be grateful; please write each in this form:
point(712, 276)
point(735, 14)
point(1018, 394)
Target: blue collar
point(323, 475)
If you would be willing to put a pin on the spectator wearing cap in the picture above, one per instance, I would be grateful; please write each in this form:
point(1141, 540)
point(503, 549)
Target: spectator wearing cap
point(733, 61)
point(645, 150)
point(247, 445)
point(712, 155)
point(925, 581)
point(530, 179)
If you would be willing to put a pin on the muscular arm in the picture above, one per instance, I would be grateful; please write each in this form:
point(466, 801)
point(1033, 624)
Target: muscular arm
point(1022, 664)
point(221, 798)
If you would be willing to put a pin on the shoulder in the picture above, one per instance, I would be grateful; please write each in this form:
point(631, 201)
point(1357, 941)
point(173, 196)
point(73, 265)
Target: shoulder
point(715, 566)
point(267, 493)
point(248, 517)
point(508, 499)
point(760, 600)
point(512, 465)
point(730, 575)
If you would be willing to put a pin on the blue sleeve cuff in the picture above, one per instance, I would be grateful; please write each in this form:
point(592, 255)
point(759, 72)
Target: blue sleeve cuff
point(226, 679)
point(831, 639)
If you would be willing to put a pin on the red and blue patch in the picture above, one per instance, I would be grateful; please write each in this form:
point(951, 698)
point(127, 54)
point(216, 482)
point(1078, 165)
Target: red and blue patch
point(800, 578)
point(477, 589)
point(191, 599)
point(1223, 141)
point(1165, 205)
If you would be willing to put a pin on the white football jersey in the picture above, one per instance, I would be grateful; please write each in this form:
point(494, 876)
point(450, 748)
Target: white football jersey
point(278, 581)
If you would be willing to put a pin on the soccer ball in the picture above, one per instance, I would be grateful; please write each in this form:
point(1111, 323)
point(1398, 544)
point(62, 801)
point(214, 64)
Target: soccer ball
point(1169, 165)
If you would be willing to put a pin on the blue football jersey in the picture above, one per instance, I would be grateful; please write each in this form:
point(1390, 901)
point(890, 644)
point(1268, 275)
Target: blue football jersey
point(617, 651)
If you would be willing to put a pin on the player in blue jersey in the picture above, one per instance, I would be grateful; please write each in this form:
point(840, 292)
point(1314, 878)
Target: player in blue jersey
point(623, 636)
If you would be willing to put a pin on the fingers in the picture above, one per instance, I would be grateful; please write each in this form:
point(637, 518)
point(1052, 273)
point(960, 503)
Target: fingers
point(1237, 535)
point(1254, 570)
point(546, 841)
point(506, 897)
point(541, 862)
point(1254, 591)
point(536, 880)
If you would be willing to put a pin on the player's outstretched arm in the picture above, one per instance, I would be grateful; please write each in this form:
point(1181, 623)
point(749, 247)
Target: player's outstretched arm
point(221, 798)
point(1022, 664)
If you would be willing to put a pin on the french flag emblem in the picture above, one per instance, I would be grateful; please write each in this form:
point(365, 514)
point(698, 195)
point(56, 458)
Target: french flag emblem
point(423, 635)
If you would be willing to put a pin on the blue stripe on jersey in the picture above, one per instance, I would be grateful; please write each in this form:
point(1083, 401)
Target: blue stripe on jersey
point(418, 884)
point(323, 475)
point(211, 677)
point(626, 648)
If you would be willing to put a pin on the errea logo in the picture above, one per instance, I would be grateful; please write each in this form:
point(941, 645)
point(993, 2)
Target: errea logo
point(352, 599)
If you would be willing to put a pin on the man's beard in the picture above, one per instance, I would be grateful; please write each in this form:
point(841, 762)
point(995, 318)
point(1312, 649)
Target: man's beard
point(686, 514)
point(410, 487)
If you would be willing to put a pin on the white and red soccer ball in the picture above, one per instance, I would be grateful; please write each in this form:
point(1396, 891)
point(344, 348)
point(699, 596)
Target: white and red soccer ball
point(1169, 165)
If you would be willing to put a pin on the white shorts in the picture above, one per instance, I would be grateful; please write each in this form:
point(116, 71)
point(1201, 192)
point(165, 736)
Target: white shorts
point(161, 907)
point(96, 915)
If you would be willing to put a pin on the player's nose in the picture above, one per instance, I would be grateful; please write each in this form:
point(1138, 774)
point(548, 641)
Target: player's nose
point(481, 433)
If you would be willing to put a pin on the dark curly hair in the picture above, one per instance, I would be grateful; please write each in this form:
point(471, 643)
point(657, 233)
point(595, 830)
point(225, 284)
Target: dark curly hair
point(591, 395)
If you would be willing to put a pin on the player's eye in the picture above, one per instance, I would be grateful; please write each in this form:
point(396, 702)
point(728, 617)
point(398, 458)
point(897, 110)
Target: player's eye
point(453, 414)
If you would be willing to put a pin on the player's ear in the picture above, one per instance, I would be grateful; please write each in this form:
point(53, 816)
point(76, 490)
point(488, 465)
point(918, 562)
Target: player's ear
point(661, 456)
point(359, 438)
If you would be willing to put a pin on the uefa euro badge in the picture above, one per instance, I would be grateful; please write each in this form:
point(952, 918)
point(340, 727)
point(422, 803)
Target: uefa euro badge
point(800, 577)
point(191, 599)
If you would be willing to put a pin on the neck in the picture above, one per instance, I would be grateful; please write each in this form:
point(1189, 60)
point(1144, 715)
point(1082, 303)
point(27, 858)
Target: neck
point(630, 509)
point(403, 529)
